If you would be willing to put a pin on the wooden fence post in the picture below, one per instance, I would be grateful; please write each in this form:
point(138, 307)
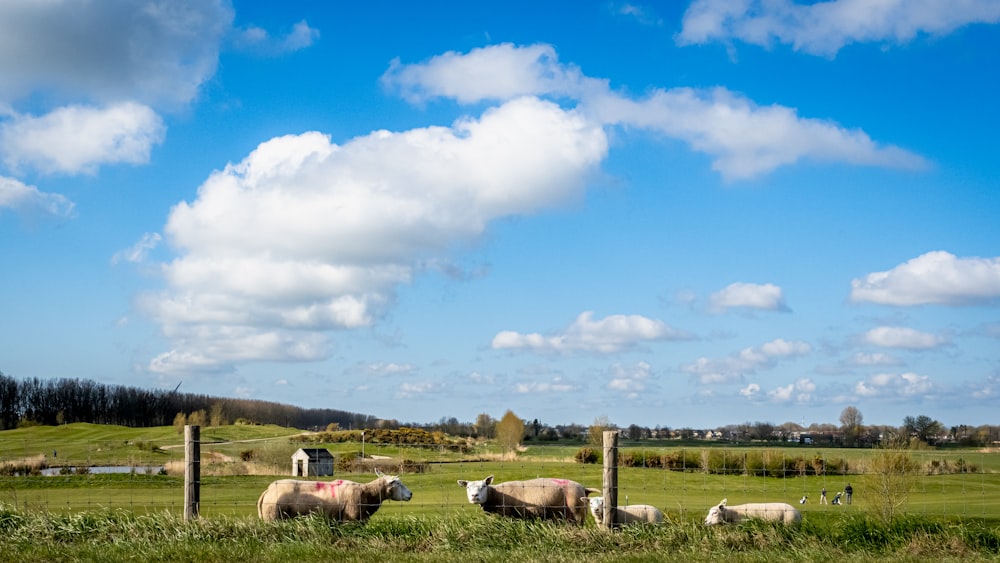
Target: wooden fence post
point(192, 471)
point(610, 478)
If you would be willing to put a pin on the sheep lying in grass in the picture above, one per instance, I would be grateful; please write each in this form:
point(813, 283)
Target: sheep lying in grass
point(630, 514)
point(770, 511)
point(344, 501)
point(543, 498)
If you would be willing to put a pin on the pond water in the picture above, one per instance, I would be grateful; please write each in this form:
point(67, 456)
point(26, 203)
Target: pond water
point(104, 469)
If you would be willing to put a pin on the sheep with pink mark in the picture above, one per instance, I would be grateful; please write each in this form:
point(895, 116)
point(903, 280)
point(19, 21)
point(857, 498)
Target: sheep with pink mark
point(542, 498)
point(769, 511)
point(340, 500)
point(628, 514)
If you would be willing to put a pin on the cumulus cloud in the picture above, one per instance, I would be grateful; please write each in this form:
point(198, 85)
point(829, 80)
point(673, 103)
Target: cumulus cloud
point(77, 139)
point(411, 390)
point(609, 335)
point(751, 391)
point(768, 297)
point(743, 139)
point(22, 198)
point(800, 392)
point(902, 337)
point(895, 386)
point(556, 385)
point(138, 251)
point(630, 381)
point(823, 28)
point(934, 278)
point(863, 359)
point(155, 52)
point(257, 39)
point(748, 360)
point(306, 236)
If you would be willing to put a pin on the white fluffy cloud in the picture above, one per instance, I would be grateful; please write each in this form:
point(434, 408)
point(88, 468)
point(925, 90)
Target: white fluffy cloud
point(631, 381)
point(895, 386)
point(156, 52)
point(743, 139)
point(902, 337)
point(934, 278)
point(257, 39)
point(557, 385)
point(77, 139)
point(603, 336)
point(22, 198)
point(305, 236)
point(768, 297)
point(748, 360)
point(823, 28)
point(137, 252)
point(800, 392)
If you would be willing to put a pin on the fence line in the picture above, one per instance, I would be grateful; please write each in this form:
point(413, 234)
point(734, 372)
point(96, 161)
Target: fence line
point(967, 484)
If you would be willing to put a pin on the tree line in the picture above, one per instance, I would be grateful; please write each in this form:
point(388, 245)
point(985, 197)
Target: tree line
point(63, 401)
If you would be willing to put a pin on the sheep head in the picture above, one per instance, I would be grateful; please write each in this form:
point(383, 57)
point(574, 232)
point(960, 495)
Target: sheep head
point(477, 491)
point(596, 507)
point(393, 487)
point(716, 514)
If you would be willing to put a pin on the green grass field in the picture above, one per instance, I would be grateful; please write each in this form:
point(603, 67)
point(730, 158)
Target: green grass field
point(230, 487)
point(99, 517)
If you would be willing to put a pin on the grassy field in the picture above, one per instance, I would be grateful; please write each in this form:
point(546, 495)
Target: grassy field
point(949, 516)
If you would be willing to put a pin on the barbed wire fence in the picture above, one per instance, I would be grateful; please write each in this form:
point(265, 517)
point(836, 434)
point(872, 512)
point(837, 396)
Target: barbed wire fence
point(682, 481)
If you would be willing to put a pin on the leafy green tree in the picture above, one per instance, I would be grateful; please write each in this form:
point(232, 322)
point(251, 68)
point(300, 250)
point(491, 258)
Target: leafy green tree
point(925, 428)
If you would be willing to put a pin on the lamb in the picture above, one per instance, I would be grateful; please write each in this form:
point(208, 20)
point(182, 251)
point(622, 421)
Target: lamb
point(340, 500)
point(543, 498)
point(630, 514)
point(770, 511)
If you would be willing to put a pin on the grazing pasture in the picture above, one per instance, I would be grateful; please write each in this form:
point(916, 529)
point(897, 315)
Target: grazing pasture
point(947, 516)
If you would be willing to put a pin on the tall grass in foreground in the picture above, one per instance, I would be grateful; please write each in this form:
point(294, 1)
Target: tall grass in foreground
point(118, 535)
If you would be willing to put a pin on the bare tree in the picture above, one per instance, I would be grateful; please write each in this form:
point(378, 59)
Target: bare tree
point(485, 426)
point(851, 424)
point(595, 432)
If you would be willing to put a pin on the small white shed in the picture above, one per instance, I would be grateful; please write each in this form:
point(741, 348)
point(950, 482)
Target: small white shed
point(312, 462)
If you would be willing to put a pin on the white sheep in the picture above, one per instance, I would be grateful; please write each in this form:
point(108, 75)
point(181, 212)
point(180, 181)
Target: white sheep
point(543, 498)
point(630, 514)
point(770, 511)
point(344, 501)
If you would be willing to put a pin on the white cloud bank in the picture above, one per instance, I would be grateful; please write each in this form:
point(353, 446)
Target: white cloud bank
point(22, 198)
point(767, 297)
point(934, 278)
point(823, 28)
point(732, 369)
point(76, 139)
point(895, 386)
point(902, 337)
point(743, 139)
point(603, 336)
point(304, 236)
point(155, 52)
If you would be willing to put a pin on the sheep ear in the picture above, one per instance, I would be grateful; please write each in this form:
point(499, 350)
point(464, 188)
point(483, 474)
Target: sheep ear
point(488, 480)
point(723, 503)
point(463, 483)
point(377, 472)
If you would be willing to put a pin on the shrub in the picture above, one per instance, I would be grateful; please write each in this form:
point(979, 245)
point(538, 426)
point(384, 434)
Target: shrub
point(587, 455)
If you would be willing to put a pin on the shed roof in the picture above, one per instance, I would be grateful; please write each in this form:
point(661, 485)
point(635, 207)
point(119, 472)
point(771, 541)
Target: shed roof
point(315, 454)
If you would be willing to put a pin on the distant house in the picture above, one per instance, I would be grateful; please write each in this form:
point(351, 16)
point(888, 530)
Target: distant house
point(312, 462)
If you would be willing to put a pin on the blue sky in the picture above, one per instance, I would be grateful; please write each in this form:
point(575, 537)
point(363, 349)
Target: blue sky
point(669, 214)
